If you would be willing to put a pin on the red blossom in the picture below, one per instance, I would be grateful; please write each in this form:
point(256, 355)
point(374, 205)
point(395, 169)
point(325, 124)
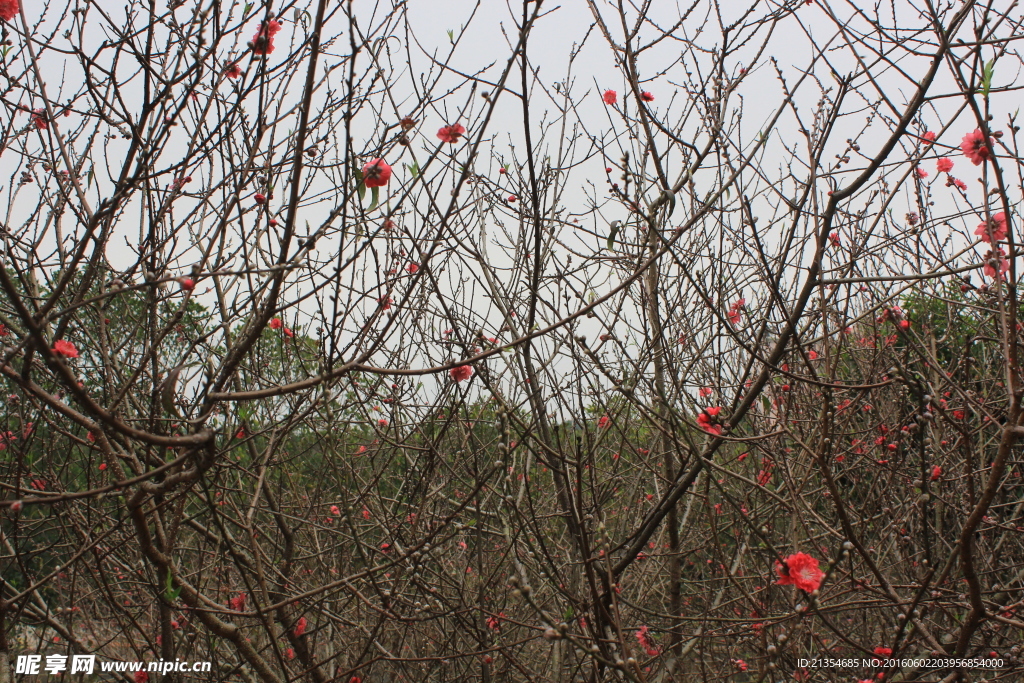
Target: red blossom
point(141, 676)
point(461, 372)
point(936, 473)
point(610, 97)
point(921, 173)
point(644, 639)
point(376, 173)
point(604, 421)
point(276, 324)
point(800, 570)
point(412, 267)
point(944, 165)
point(975, 147)
point(883, 651)
point(8, 9)
point(646, 96)
point(995, 263)
point(263, 41)
point(65, 349)
point(451, 133)
point(994, 229)
point(39, 119)
point(259, 198)
point(237, 603)
point(233, 70)
point(705, 421)
point(300, 626)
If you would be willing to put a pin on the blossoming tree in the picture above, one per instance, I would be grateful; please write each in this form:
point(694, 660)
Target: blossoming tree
point(339, 344)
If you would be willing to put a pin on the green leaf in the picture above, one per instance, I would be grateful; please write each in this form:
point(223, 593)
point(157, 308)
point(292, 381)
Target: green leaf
point(614, 230)
point(413, 169)
point(451, 35)
point(569, 614)
point(374, 198)
point(248, 6)
point(361, 190)
point(170, 592)
point(986, 77)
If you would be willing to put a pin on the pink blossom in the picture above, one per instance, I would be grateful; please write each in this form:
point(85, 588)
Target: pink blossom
point(376, 173)
point(800, 570)
point(8, 9)
point(263, 41)
point(705, 420)
point(461, 372)
point(610, 97)
point(995, 263)
point(975, 147)
point(944, 165)
point(993, 230)
point(644, 638)
point(65, 349)
point(451, 133)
